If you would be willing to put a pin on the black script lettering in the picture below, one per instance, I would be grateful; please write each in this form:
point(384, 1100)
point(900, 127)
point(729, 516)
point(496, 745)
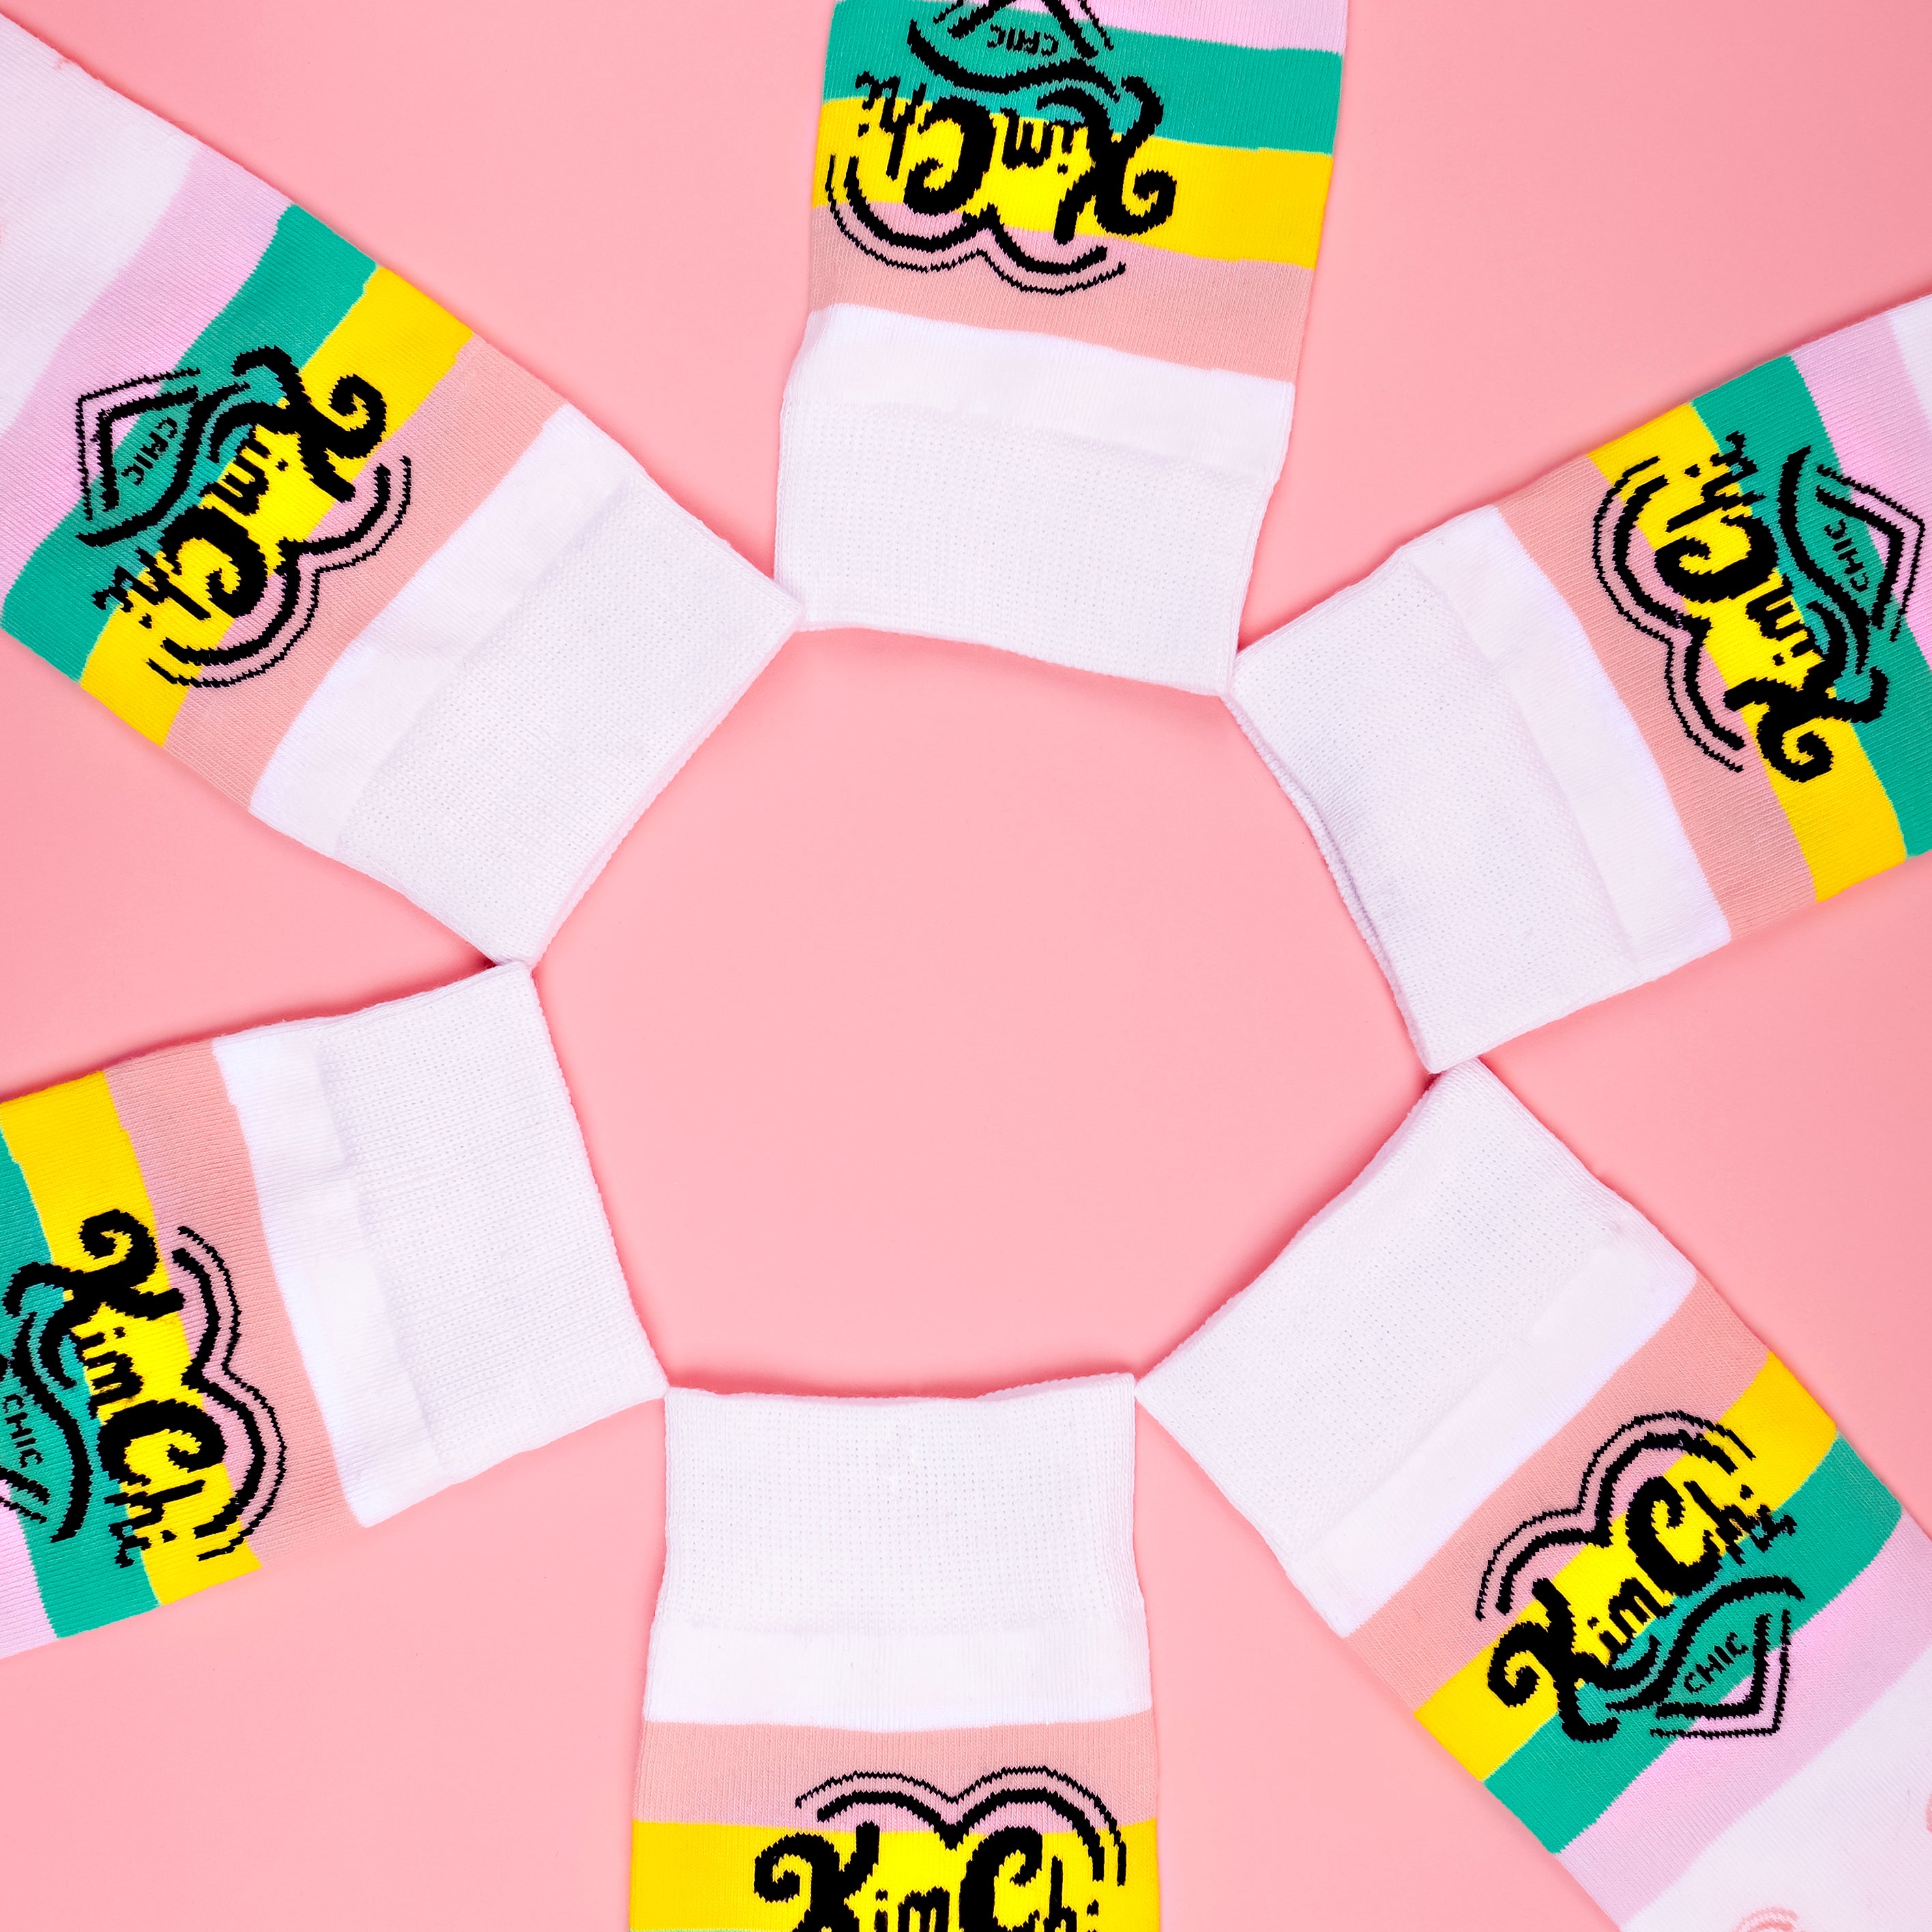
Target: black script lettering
point(934, 1908)
point(1552, 1645)
point(1104, 186)
point(1666, 1571)
point(827, 1905)
point(978, 135)
point(320, 437)
point(977, 1912)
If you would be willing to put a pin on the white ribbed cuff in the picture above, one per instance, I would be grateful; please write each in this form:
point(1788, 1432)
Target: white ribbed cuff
point(1489, 810)
point(437, 1234)
point(1427, 1332)
point(488, 739)
point(1072, 502)
point(897, 1565)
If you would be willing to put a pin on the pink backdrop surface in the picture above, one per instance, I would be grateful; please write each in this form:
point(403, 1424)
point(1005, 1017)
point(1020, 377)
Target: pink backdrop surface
point(953, 1022)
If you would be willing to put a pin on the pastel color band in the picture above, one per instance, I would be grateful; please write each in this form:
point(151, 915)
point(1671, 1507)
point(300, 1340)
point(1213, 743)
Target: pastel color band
point(1214, 94)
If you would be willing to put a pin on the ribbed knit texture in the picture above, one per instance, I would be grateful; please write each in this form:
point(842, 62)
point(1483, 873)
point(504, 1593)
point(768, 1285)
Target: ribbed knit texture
point(1674, 689)
point(882, 1619)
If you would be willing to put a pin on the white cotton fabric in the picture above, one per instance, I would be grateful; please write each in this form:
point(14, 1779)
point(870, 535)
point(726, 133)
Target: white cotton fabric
point(1490, 811)
point(83, 180)
point(1911, 326)
point(486, 743)
point(1428, 1331)
point(1072, 502)
point(1844, 1845)
point(437, 1234)
point(900, 1564)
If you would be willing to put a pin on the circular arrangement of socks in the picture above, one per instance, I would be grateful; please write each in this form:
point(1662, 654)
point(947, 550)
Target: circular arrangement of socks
point(297, 525)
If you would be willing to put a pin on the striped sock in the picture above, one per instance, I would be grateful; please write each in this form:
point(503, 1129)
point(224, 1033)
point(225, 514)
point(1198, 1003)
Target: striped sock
point(294, 522)
point(258, 1289)
point(1586, 1527)
point(1061, 257)
point(1676, 689)
point(899, 1676)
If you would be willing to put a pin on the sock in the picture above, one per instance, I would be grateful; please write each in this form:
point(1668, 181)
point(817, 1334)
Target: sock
point(258, 1289)
point(1673, 691)
point(1586, 1527)
point(899, 1676)
point(1061, 257)
point(295, 523)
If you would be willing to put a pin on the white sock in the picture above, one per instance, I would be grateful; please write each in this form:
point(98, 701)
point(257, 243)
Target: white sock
point(898, 1675)
point(1454, 1406)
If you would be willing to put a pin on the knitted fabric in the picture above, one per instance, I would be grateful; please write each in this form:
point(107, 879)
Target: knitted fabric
point(898, 1676)
point(1061, 257)
point(1586, 1527)
point(261, 1288)
point(1675, 690)
point(295, 523)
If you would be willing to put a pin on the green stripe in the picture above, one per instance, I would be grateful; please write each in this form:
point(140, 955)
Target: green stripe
point(1559, 1786)
point(1773, 408)
point(1220, 96)
point(81, 1585)
point(307, 280)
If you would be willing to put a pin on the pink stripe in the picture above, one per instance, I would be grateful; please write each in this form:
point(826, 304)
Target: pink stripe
point(188, 1137)
point(1244, 315)
point(1858, 378)
point(1842, 1662)
point(1742, 839)
point(23, 1623)
point(754, 1774)
point(201, 251)
point(459, 443)
point(1322, 24)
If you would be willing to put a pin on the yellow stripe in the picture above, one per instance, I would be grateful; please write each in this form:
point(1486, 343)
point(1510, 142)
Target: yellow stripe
point(1790, 1435)
point(393, 337)
point(1844, 822)
point(698, 1878)
point(78, 1161)
point(1230, 204)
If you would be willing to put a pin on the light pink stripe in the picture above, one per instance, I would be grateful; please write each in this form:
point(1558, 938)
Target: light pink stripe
point(180, 278)
point(23, 1623)
point(1244, 315)
point(1322, 24)
point(754, 1774)
point(1842, 1662)
point(188, 1137)
point(1739, 831)
point(1858, 378)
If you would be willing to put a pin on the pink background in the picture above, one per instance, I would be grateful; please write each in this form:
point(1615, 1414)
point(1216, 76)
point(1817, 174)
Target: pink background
point(953, 1022)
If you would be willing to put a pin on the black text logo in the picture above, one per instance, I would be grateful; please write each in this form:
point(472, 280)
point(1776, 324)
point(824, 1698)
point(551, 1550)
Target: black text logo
point(1794, 573)
point(206, 493)
point(999, 1876)
point(991, 139)
point(1672, 1628)
point(78, 1341)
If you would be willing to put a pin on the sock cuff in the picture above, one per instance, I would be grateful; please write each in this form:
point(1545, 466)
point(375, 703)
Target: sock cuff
point(1426, 1330)
point(1674, 689)
point(882, 1564)
point(437, 1234)
point(1067, 501)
